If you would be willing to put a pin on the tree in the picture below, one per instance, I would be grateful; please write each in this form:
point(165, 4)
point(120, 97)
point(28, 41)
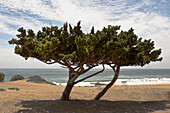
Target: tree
point(126, 49)
point(80, 52)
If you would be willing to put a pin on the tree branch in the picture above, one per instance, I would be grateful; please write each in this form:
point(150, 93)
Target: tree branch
point(90, 75)
point(84, 71)
point(61, 63)
point(71, 81)
point(76, 67)
point(50, 62)
point(66, 64)
point(113, 67)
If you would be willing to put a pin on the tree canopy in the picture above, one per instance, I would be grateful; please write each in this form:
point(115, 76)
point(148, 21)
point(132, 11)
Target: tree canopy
point(80, 52)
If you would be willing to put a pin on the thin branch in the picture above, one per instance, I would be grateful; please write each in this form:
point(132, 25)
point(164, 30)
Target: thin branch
point(113, 67)
point(117, 68)
point(84, 71)
point(55, 62)
point(63, 66)
point(50, 62)
point(66, 64)
point(76, 67)
point(61, 63)
point(90, 75)
point(81, 68)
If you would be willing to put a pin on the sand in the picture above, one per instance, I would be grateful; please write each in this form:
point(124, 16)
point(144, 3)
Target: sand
point(27, 97)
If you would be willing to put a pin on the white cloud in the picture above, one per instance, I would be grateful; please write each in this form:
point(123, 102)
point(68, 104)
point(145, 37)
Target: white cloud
point(3, 42)
point(65, 10)
point(33, 6)
point(4, 28)
point(26, 22)
point(8, 59)
point(164, 1)
point(90, 12)
point(148, 26)
point(96, 13)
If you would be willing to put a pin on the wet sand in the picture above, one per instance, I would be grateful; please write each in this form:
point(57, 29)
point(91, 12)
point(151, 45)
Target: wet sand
point(27, 97)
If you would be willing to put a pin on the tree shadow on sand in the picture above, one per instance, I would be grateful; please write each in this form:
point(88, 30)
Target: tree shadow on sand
point(91, 106)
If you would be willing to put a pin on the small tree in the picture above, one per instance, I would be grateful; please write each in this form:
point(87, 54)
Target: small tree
point(80, 52)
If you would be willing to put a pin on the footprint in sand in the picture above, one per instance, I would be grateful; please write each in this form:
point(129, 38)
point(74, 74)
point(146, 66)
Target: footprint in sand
point(2, 89)
point(17, 89)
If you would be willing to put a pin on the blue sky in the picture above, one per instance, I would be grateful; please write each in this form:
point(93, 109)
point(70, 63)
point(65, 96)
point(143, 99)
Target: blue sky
point(149, 18)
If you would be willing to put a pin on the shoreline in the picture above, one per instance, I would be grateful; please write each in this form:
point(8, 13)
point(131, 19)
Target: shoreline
point(17, 93)
point(143, 81)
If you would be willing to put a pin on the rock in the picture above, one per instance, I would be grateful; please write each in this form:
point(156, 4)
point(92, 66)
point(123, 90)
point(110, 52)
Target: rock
point(37, 79)
point(17, 77)
point(2, 77)
point(98, 83)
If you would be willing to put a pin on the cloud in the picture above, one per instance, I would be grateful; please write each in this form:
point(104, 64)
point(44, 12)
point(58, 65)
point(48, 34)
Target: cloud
point(6, 29)
point(3, 42)
point(90, 12)
point(145, 23)
point(27, 22)
point(142, 15)
point(65, 10)
point(8, 59)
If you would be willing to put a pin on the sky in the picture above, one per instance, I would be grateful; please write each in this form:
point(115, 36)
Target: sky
point(149, 18)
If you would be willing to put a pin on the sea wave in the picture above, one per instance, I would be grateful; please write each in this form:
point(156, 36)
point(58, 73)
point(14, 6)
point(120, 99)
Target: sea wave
point(144, 81)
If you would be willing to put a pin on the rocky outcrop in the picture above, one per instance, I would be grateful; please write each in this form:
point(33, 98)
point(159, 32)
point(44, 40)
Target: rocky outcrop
point(37, 79)
point(17, 77)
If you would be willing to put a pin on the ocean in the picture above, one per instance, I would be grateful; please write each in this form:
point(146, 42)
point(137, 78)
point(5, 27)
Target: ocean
point(126, 76)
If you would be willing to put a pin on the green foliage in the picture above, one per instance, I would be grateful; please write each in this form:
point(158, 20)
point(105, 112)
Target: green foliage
point(2, 77)
point(69, 46)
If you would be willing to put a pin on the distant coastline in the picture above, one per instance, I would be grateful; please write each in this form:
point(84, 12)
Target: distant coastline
point(126, 77)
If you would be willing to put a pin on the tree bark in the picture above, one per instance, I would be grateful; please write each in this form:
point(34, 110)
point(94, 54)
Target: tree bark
point(68, 88)
point(67, 91)
point(100, 94)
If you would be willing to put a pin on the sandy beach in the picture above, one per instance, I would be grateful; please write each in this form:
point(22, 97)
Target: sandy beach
point(27, 97)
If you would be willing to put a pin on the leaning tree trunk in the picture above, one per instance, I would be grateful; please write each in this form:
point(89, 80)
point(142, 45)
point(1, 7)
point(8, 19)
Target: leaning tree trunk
point(99, 95)
point(68, 88)
point(67, 91)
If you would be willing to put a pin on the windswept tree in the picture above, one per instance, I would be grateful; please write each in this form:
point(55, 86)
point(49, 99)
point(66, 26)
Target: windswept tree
point(126, 49)
point(81, 52)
